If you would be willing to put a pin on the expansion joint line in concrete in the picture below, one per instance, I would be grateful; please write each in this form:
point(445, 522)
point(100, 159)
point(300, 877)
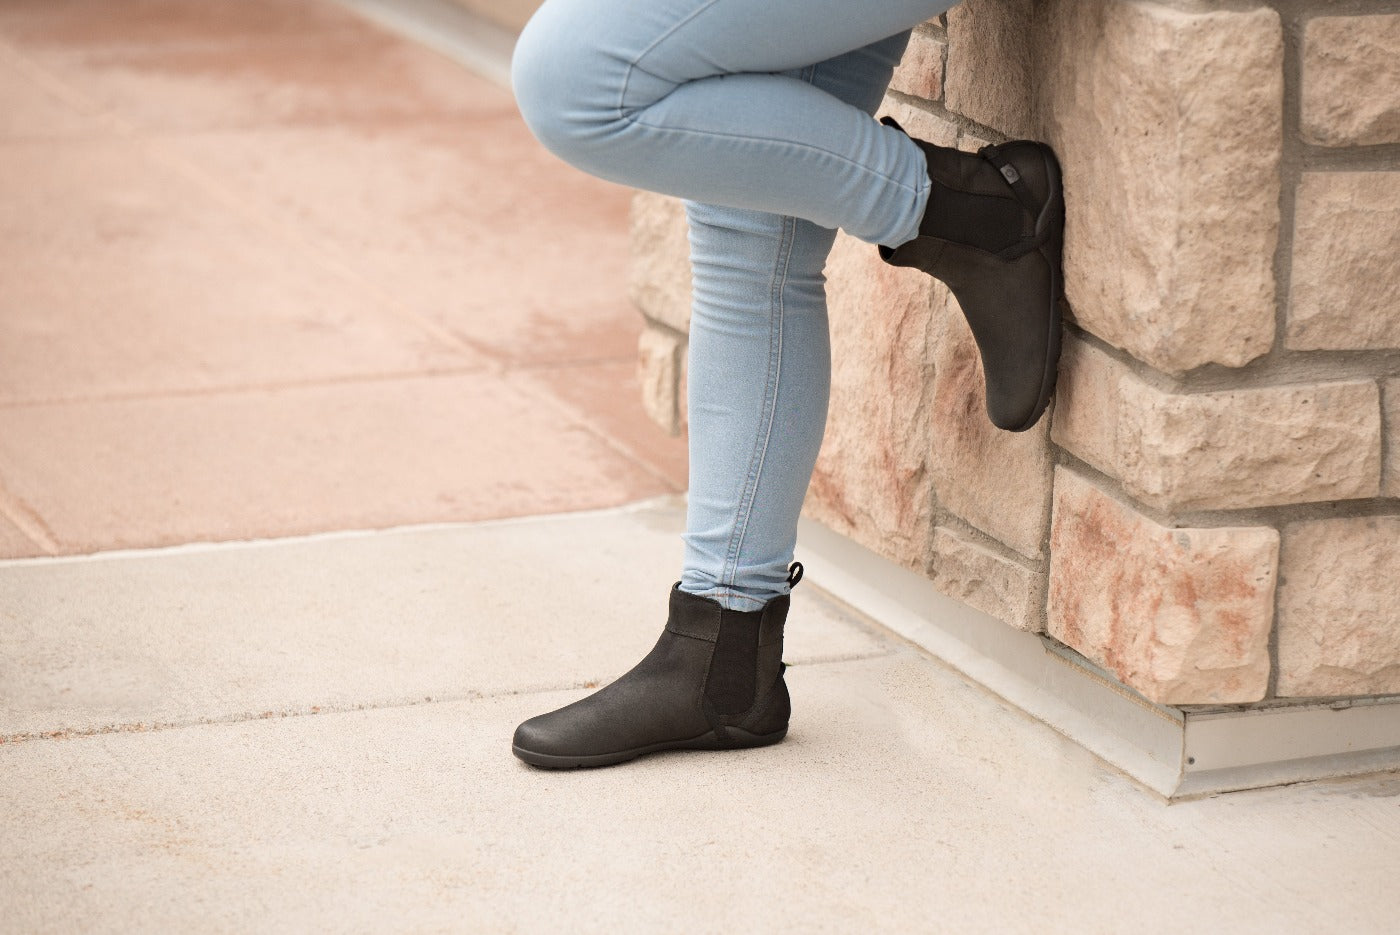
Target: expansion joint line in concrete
point(142, 727)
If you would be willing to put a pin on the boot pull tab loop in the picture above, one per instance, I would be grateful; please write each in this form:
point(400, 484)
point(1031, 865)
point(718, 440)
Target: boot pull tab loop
point(794, 574)
point(992, 153)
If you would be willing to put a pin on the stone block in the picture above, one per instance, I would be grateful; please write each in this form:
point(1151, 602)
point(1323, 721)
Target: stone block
point(971, 142)
point(1181, 615)
point(1221, 450)
point(1338, 618)
point(658, 280)
point(989, 64)
point(920, 123)
point(1351, 80)
point(997, 481)
point(985, 579)
point(1390, 477)
point(659, 356)
point(1345, 292)
point(920, 73)
point(1168, 125)
point(873, 479)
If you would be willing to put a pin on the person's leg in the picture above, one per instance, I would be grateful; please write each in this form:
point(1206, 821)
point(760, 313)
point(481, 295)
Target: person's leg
point(703, 99)
point(759, 370)
point(715, 100)
point(696, 98)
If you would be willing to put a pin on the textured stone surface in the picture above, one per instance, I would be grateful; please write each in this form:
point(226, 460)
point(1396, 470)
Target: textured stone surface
point(1390, 478)
point(920, 123)
point(971, 142)
point(1181, 615)
point(920, 72)
point(659, 353)
point(659, 275)
point(997, 481)
point(987, 580)
point(1220, 450)
point(989, 63)
point(1351, 80)
point(1345, 282)
point(1339, 621)
point(873, 479)
point(1168, 128)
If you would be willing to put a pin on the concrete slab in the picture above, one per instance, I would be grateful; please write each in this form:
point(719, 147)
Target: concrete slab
point(904, 800)
point(28, 110)
point(609, 397)
point(290, 626)
point(228, 82)
point(14, 543)
point(46, 25)
point(471, 224)
point(367, 454)
point(124, 278)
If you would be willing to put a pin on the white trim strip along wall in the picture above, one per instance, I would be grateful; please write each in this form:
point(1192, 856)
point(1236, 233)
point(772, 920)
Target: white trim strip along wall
point(1176, 752)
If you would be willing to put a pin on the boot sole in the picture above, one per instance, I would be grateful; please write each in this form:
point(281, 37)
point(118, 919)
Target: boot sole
point(739, 740)
point(1052, 213)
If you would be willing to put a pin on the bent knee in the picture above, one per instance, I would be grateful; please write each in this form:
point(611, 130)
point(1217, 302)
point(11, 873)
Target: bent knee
point(566, 86)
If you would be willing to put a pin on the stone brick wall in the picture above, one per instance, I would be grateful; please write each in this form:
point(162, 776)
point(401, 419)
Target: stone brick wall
point(1209, 511)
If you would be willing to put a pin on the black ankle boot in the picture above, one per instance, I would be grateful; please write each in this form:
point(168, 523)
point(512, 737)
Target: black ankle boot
point(994, 232)
point(713, 681)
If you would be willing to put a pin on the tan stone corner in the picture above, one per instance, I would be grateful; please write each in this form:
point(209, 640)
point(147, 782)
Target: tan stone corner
point(658, 280)
point(982, 577)
point(1338, 620)
point(1182, 615)
point(659, 356)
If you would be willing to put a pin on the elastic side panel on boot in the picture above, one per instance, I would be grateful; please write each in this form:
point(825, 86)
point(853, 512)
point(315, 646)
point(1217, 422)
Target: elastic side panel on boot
point(987, 222)
point(772, 713)
point(730, 686)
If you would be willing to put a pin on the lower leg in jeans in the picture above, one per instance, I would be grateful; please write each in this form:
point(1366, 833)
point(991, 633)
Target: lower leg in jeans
point(700, 99)
point(759, 374)
point(759, 371)
point(681, 96)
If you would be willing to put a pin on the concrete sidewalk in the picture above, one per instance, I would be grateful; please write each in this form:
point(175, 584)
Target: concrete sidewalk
point(296, 313)
point(313, 734)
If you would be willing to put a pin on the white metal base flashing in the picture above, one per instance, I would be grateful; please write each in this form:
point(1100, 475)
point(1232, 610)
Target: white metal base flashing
point(1175, 752)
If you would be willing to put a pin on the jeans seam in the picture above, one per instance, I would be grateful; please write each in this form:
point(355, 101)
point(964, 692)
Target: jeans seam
point(636, 62)
point(782, 264)
point(637, 121)
point(777, 287)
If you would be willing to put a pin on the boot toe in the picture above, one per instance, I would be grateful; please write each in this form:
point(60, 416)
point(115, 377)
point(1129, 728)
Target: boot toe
point(539, 735)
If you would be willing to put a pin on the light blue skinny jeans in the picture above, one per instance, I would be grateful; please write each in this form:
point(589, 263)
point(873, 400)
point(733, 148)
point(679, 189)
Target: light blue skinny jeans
point(757, 112)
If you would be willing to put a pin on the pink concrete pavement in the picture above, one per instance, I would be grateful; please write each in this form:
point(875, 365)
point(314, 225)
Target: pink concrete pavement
point(266, 269)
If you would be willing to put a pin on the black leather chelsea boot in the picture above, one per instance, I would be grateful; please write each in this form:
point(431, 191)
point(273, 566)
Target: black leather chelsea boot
point(713, 681)
point(994, 232)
